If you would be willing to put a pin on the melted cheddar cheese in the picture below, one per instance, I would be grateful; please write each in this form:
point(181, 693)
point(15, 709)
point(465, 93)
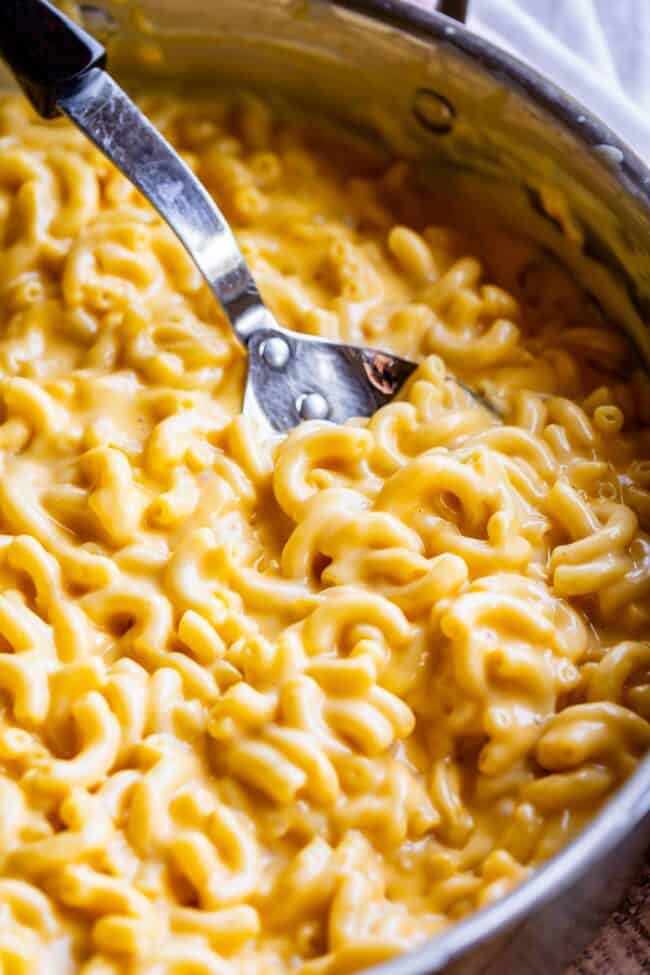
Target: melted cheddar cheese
point(296, 706)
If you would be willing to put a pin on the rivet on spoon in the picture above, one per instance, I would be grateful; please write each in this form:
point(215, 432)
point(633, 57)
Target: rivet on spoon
point(275, 352)
point(312, 406)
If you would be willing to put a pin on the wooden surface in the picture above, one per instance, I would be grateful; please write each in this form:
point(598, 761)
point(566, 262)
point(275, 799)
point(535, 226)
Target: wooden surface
point(623, 946)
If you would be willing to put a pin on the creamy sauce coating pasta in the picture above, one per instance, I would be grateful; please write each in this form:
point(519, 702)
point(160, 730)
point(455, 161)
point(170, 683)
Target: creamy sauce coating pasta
point(297, 706)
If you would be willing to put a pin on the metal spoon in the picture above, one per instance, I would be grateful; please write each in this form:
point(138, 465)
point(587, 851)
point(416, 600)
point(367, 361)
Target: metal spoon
point(290, 377)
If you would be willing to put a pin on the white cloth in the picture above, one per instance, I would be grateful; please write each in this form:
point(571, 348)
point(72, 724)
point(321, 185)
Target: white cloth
point(597, 50)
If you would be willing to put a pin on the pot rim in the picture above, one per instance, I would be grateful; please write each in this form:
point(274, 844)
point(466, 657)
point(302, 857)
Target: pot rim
point(631, 802)
point(632, 172)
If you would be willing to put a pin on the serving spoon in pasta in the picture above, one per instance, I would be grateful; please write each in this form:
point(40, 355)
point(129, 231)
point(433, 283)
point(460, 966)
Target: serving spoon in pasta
point(290, 377)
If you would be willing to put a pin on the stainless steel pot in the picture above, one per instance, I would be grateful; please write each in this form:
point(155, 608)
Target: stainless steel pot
point(421, 81)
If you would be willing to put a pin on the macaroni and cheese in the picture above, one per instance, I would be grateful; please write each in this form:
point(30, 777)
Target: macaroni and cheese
point(298, 705)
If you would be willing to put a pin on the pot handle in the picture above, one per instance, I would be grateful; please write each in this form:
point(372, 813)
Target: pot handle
point(453, 8)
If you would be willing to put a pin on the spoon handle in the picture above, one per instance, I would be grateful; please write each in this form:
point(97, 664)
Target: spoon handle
point(59, 67)
point(101, 109)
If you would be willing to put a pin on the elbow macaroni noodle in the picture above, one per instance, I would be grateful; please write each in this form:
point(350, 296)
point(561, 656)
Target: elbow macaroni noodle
point(297, 705)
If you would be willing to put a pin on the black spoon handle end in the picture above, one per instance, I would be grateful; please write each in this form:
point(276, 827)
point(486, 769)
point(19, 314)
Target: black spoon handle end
point(46, 51)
